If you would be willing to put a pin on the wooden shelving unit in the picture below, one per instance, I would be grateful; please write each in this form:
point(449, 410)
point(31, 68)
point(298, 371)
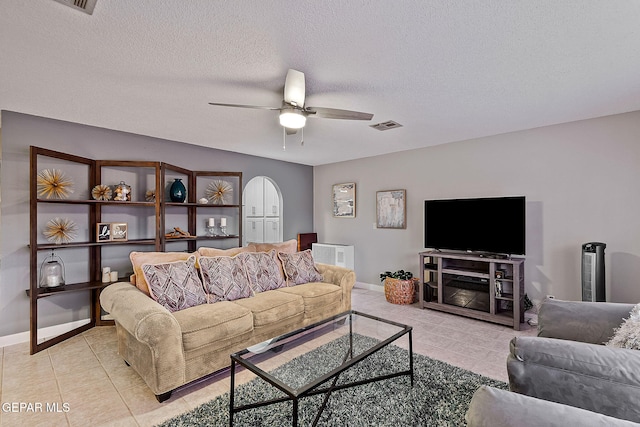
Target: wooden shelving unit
point(485, 288)
point(148, 175)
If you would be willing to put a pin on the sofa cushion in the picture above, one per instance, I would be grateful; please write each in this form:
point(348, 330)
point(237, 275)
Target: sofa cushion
point(225, 278)
point(213, 323)
point(175, 285)
point(299, 268)
point(204, 251)
point(264, 270)
point(138, 259)
point(272, 306)
point(290, 246)
point(316, 295)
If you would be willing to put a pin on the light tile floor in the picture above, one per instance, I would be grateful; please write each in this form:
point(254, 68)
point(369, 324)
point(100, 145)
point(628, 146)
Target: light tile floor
point(85, 383)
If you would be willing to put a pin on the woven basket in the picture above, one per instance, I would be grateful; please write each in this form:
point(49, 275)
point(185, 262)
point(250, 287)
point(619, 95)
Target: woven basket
point(400, 291)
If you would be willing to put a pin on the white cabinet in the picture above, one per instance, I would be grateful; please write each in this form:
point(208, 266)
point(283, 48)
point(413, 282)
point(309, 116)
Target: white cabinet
point(254, 196)
point(263, 220)
point(254, 230)
point(272, 230)
point(271, 199)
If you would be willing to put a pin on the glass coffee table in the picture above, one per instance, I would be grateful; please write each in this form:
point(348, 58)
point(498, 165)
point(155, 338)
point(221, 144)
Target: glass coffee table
point(313, 358)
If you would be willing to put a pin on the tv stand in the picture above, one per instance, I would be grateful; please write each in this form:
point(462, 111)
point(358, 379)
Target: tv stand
point(482, 286)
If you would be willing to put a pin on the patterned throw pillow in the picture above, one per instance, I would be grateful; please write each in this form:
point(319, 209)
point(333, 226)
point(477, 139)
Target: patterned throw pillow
point(175, 285)
point(628, 334)
point(263, 270)
point(138, 259)
point(300, 268)
point(225, 278)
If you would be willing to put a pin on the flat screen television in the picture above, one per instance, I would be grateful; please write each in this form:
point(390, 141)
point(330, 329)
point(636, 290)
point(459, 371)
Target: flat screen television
point(493, 225)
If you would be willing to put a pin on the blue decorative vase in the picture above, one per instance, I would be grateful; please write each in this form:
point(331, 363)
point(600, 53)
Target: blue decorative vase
point(178, 192)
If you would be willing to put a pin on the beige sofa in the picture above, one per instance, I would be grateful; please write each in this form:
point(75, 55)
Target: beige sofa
point(170, 349)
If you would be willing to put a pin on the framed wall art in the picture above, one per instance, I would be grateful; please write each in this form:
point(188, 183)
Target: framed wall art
point(391, 209)
point(103, 232)
point(119, 231)
point(344, 200)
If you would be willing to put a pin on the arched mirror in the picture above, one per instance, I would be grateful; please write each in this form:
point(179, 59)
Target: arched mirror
point(262, 211)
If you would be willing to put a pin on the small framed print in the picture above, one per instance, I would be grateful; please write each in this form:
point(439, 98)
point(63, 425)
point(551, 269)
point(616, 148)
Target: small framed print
point(344, 200)
point(119, 231)
point(103, 232)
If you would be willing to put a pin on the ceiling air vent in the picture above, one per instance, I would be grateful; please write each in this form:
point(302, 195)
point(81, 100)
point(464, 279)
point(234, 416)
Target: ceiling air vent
point(389, 124)
point(84, 5)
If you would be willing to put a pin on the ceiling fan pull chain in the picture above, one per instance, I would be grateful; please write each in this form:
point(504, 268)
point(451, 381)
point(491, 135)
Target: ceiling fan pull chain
point(284, 139)
point(302, 136)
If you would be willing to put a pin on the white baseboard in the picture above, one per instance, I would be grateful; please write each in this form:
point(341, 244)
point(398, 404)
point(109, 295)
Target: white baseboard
point(369, 286)
point(43, 333)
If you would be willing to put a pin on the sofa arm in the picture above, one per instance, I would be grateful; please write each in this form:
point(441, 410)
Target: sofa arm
point(162, 364)
point(591, 322)
point(588, 376)
point(492, 407)
point(339, 276)
point(141, 316)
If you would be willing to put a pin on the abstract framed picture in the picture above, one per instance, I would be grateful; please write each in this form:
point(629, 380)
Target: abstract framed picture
point(344, 200)
point(391, 209)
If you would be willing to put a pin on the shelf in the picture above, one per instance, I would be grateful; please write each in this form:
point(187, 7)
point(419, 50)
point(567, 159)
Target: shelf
point(75, 287)
point(469, 273)
point(235, 236)
point(197, 205)
point(46, 246)
point(432, 285)
point(505, 297)
point(180, 205)
point(179, 239)
point(96, 202)
point(203, 205)
point(431, 267)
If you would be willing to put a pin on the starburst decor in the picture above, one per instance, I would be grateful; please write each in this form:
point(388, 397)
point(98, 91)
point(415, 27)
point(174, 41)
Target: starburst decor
point(101, 192)
point(150, 196)
point(54, 183)
point(219, 192)
point(60, 230)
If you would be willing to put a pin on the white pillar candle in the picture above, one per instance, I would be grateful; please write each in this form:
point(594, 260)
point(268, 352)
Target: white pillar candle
point(114, 276)
point(211, 222)
point(223, 222)
point(53, 281)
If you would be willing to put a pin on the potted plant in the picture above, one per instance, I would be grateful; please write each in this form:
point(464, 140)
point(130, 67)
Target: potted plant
point(399, 286)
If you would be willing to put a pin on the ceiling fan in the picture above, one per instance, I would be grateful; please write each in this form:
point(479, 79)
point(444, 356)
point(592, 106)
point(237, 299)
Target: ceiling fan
point(293, 113)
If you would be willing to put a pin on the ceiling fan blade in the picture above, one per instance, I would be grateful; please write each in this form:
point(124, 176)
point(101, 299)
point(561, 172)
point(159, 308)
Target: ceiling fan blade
point(244, 106)
point(294, 88)
point(334, 113)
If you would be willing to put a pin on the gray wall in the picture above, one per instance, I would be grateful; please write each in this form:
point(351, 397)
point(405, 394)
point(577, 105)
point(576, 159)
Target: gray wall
point(19, 131)
point(580, 180)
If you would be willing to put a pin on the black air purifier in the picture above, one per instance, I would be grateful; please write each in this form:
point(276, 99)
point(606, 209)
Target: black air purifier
point(593, 271)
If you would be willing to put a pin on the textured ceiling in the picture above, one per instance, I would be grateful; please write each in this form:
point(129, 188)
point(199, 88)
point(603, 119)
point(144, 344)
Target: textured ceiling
point(447, 71)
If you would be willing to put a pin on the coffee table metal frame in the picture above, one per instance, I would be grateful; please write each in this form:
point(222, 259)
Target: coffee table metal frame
point(312, 388)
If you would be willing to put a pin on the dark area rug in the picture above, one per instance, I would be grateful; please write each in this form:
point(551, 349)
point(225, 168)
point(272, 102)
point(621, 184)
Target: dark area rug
point(440, 395)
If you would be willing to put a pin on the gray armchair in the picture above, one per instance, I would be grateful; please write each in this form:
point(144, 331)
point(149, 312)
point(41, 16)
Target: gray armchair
point(567, 364)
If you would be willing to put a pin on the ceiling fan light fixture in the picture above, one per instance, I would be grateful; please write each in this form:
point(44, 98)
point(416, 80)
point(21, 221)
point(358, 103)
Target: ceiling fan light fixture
point(292, 119)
